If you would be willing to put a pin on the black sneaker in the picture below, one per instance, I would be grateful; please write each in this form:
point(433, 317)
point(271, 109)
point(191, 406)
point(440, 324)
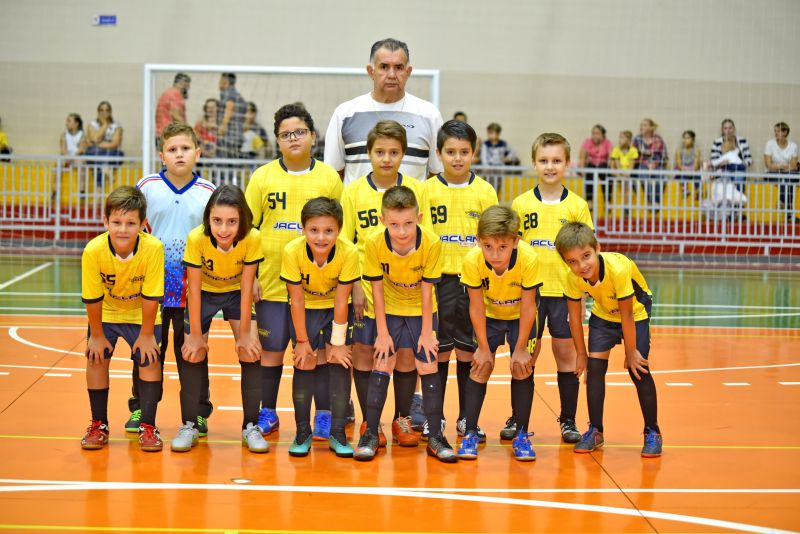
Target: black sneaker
point(569, 430)
point(134, 421)
point(510, 430)
point(367, 446)
point(202, 426)
point(439, 448)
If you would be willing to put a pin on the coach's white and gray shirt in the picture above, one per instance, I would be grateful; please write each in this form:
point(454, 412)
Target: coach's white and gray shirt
point(346, 138)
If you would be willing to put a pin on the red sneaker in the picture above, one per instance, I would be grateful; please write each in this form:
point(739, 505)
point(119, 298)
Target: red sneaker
point(381, 435)
point(96, 436)
point(149, 438)
point(403, 434)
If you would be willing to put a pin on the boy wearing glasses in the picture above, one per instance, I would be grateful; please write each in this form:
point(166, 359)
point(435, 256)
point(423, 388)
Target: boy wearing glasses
point(276, 195)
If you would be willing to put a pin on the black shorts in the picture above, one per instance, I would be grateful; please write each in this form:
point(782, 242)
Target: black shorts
point(603, 335)
point(319, 327)
point(230, 303)
point(364, 331)
point(455, 326)
point(554, 311)
point(498, 331)
point(129, 332)
point(404, 331)
point(273, 319)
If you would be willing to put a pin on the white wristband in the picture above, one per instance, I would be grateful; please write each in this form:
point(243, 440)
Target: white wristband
point(338, 334)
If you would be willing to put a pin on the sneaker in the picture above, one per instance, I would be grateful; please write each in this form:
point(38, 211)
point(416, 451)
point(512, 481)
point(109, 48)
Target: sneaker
point(351, 413)
point(510, 430)
point(402, 433)
point(338, 444)
point(253, 440)
point(202, 426)
point(652, 444)
point(268, 421)
point(569, 431)
point(521, 445)
point(149, 438)
point(96, 436)
point(461, 430)
point(590, 440)
point(367, 447)
point(439, 448)
point(132, 425)
point(302, 443)
point(186, 438)
point(426, 432)
point(468, 450)
point(417, 413)
point(381, 433)
point(322, 425)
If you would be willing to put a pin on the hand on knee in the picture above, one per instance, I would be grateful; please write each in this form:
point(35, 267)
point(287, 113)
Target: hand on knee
point(519, 374)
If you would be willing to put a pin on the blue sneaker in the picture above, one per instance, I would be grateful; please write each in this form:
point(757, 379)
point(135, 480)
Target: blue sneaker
point(521, 446)
point(339, 445)
point(591, 440)
point(468, 450)
point(322, 425)
point(417, 414)
point(301, 444)
point(268, 421)
point(652, 444)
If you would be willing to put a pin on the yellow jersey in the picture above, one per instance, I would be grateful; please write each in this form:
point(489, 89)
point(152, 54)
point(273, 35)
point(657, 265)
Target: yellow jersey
point(455, 211)
point(540, 223)
point(403, 275)
point(319, 283)
point(620, 279)
point(276, 197)
point(502, 293)
point(122, 284)
point(221, 271)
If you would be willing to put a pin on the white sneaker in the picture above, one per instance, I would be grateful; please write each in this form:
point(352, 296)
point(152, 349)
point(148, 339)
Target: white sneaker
point(426, 431)
point(461, 430)
point(252, 438)
point(186, 439)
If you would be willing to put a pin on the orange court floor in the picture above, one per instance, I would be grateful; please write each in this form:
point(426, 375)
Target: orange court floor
point(728, 400)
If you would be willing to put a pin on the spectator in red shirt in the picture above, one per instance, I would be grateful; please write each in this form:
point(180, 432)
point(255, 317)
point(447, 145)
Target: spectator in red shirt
point(594, 155)
point(171, 106)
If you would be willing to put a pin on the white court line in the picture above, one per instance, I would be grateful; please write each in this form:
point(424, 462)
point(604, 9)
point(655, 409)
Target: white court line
point(551, 383)
point(4, 373)
point(735, 384)
point(789, 383)
point(25, 275)
point(619, 384)
point(388, 492)
point(678, 384)
point(62, 375)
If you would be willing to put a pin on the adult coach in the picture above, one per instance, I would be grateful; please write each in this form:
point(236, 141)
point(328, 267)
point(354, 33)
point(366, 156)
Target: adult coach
point(171, 105)
point(231, 117)
point(346, 138)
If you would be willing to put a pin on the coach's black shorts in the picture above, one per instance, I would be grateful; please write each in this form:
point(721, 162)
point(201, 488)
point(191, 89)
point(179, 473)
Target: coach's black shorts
point(455, 326)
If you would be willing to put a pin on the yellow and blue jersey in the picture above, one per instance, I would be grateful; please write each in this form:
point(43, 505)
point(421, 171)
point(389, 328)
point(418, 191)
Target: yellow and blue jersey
point(221, 271)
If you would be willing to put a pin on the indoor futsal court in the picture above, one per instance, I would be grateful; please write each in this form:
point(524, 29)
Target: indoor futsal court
point(725, 366)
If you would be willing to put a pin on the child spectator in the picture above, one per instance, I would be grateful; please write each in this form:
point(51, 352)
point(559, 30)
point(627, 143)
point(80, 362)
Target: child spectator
point(689, 161)
point(5, 148)
point(255, 144)
point(653, 156)
point(496, 152)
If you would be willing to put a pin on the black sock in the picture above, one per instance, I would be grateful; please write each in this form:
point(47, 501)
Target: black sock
point(98, 401)
point(133, 401)
point(270, 382)
point(150, 393)
point(340, 395)
point(205, 403)
point(444, 370)
point(596, 390)
point(191, 379)
point(405, 383)
point(648, 402)
point(462, 375)
point(432, 402)
point(251, 392)
point(522, 402)
point(475, 393)
point(568, 386)
point(361, 379)
point(378, 387)
point(512, 404)
point(302, 392)
point(322, 387)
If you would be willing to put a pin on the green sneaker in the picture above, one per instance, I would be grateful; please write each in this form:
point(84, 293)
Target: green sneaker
point(202, 426)
point(301, 444)
point(338, 444)
point(133, 423)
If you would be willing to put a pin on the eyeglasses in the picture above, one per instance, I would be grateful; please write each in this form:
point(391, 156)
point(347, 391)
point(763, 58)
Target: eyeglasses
point(300, 133)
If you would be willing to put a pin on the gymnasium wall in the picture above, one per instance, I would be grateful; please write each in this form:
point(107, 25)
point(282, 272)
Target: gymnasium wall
point(532, 65)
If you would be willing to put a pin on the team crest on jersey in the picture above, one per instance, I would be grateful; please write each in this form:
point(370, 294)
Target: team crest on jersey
point(417, 268)
point(139, 278)
point(473, 214)
point(263, 332)
point(515, 284)
point(291, 226)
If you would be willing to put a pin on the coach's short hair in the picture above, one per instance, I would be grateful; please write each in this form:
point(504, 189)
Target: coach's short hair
point(498, 221)
point(182, 77)
point(398, 197)
point(388, 129)
point(575, 235)
point(391, 45)
point(550, 139)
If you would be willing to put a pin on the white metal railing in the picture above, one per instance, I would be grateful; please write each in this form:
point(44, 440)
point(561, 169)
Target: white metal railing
point(50, 195)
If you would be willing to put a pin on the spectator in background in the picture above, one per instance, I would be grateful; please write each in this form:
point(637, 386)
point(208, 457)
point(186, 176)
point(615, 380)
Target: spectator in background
point(594, 154)
point(496, 152)
point(231, 117)
point(171, 106)
point(254, 145)
point(476, 155)
point(5, 148)
point(653, 156)
point(73, 140)
point(623, 156)
point(105, 134)
point(731, 153)
point(780, 157)
point(688, 160)
point(207, 127)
